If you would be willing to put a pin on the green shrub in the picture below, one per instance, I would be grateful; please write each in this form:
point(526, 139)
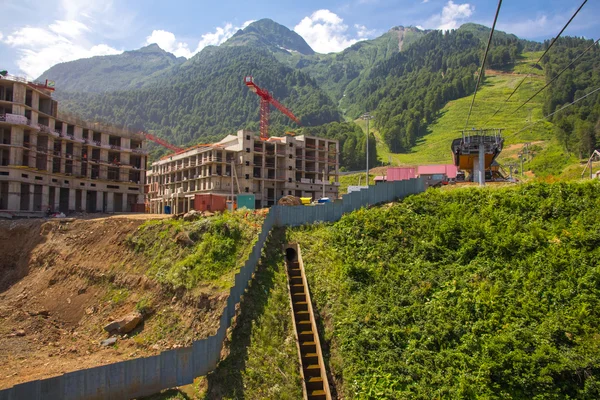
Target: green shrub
point(469, 293)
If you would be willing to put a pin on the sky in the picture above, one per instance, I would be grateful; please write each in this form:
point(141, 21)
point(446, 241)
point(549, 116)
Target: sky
point(36, 34)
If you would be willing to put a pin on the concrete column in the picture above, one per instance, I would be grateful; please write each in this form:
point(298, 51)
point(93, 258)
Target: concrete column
point(33, 139)
point(63, 151)
point(99, 204)
point(31, 194)
point(124, 201)
point(84, 199)
point(56, 198)
point(110, 202)
point(72, 199)
point(14, 196)
point(50, 153)
point(45, 197)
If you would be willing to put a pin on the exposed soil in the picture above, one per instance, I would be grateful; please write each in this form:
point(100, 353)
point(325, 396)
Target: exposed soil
point(62, 281)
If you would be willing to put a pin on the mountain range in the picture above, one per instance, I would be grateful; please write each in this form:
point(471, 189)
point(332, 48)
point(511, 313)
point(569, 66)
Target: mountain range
point(404, 77)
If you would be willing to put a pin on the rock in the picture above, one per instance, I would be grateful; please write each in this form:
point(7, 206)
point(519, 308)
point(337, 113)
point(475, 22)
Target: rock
point(125, 324)
point(20, 332)
point(108, 342)
point(81, 290)
point(155, 347)
point(90, 310)
point(68, 300)
point(113, 326)
point(192, 215)
point(130, 322)
point(183, 238)
point(42, 313)
point(208, 214)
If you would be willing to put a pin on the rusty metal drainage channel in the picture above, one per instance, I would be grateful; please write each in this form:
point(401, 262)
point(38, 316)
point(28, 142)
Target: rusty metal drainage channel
point(313, 373)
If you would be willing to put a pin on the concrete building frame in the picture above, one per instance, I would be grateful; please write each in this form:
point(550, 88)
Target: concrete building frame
point(52, 160)
point(303, 166)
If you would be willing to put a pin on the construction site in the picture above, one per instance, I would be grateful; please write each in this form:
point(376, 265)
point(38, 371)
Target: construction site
point(51, 162)
point(239, 269)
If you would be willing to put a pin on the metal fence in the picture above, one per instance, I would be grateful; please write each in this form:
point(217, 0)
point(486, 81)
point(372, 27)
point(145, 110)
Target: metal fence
point(145, 376)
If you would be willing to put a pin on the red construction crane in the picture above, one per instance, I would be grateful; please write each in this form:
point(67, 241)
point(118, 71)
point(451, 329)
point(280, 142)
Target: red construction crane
point(162, 142)
point(265, 100)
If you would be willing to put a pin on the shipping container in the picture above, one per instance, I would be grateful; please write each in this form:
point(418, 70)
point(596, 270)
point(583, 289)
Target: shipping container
point(401, 173)
point(209, 202)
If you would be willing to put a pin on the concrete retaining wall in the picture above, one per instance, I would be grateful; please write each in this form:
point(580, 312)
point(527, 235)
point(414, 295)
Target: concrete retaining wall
point(148, 375)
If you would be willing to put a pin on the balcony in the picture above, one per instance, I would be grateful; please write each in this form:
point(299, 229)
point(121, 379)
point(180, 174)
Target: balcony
point(140, 150)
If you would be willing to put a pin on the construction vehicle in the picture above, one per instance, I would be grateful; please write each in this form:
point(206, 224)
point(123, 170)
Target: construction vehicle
point(266, 99)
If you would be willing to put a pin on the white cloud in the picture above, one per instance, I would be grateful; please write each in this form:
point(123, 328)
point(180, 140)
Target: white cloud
point(451, 17)
point(1, 35)
point(41, 48)
point(167, 41)
point(425, 1)
point(69, 28)
point(326, 32)
point(363, 32)
point(85, 24)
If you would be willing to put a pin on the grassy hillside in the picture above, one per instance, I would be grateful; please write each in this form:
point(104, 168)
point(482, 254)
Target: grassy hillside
point(434, 147)
point(261, 359)
point(467, 293)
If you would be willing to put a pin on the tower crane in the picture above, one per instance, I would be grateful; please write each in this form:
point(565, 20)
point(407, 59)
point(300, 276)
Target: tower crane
point(265, 100)
point(163, 143)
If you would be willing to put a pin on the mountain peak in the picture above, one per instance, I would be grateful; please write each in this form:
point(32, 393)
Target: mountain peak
point(268, 33)
point(151, 48)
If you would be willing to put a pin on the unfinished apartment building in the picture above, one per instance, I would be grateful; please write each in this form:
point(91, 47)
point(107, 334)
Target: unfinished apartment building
point(302, 166)
point(50, 161)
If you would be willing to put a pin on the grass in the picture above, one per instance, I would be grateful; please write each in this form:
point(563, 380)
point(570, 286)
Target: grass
point(354, 180)
point(434, 147)
point(469, 293)
point(201, 253)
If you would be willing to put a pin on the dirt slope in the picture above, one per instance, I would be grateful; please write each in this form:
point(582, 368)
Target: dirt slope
point(62, 281)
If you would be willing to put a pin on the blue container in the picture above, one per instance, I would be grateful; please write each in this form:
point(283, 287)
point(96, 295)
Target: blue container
point(167, 209)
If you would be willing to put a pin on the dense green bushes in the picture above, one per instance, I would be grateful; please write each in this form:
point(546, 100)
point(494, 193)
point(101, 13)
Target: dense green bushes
point(464, 294)
point(186, 254)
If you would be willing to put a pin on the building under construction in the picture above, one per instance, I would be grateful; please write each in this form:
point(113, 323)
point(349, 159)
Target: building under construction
point(302, 166)
point(50, 161)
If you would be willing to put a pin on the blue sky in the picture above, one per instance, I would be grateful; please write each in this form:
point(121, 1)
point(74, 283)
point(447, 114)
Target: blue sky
point(39, 34)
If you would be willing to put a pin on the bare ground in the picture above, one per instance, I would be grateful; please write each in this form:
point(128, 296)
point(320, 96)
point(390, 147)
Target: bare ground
point(62, 281)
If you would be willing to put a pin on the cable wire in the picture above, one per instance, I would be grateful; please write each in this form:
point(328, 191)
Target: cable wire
point(487, 48)
point(538, 61)
point(559, 74)
point(549, 115)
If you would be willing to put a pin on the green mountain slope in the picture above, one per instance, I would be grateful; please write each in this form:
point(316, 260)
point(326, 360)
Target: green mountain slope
point(268, 34)
point(125, 71)
point(466, 293)
point(205, 98)
point(335, 71)
point(550, 156)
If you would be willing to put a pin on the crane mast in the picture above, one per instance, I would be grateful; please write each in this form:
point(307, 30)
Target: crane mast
point(266, 99)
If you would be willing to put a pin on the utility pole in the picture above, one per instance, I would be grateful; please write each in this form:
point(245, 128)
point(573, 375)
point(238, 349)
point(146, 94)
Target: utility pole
point(232, 166)
point(323, 183)
point(367, 117)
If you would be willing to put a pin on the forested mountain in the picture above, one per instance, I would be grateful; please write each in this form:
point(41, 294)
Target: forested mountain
point(206, 98)
point(334, 72)
point(270, 35)
point(404, 78)
point(409, 89)
point(124, 71)
point(579, 125)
